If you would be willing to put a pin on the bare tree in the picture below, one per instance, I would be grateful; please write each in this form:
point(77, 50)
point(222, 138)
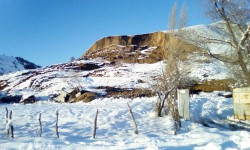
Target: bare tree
point(234, 31)
point(72, 58)
point(173, 72)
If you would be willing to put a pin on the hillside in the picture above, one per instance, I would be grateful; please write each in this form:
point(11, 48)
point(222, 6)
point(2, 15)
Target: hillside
point(102, 77)
point(10, 64)
point(118, 66)
point(114, 72)
point(144, 48)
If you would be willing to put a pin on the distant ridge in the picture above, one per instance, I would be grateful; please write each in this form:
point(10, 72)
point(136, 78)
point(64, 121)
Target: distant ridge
point(10, 64)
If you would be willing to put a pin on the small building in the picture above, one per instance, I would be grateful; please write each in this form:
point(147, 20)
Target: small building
point(241, 99)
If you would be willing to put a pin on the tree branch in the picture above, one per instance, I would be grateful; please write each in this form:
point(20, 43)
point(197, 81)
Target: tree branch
point(244, 38)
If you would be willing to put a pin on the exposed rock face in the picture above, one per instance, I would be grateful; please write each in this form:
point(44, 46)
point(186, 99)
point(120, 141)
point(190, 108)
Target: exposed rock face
point(86, 97)
point(150, 40)
point(126, 92)
point(145, 48)
point(89, 66)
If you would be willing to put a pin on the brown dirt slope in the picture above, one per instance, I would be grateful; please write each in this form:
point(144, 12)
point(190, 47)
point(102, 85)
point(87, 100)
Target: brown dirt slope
point(131, 48)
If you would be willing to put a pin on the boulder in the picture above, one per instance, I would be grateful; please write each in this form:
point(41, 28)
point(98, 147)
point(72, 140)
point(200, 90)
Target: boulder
point(28, 100)
point(72, 95)
point(86, 97)
point(226, 95)
point(89, 66)
point(62, 97)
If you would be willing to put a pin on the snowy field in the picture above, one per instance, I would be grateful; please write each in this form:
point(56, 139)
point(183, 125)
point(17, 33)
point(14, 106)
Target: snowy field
point(114, 125)
point(115, 128)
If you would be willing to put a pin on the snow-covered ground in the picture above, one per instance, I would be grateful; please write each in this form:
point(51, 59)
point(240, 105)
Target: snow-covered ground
point(201, 33)
point(115, 128)
point(49, 81)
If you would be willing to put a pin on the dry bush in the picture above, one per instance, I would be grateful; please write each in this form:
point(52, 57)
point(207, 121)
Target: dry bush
point(174, 73)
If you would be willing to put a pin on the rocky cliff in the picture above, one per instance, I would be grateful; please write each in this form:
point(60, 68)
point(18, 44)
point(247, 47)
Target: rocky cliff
point(151, 40)
point(144, 48)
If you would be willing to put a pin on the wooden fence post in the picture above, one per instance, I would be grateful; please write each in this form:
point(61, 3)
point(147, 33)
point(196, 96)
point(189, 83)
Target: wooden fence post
point(133, 119)
point(57, 133)
point(11, 126)
point(7, 120)
point(95, 124)
point(40, 123)
point(7, 114)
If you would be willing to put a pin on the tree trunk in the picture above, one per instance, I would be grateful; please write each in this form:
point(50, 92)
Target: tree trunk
point(57, 133)
point(244, 68)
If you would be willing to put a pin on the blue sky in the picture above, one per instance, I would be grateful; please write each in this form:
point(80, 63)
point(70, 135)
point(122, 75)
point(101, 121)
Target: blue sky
point(51, 31)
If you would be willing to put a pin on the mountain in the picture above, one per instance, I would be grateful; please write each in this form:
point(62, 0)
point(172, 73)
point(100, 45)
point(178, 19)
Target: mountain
point(115, 75)
point(117, 66)
point(10, 64)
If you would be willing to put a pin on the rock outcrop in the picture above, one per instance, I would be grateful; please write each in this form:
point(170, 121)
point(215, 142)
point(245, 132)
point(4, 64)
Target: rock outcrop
point(144, 48)
point(150, 40)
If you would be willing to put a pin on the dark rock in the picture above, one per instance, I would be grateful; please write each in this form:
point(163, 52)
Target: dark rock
point(112, 63)
point(140, 81)
point(30, 99)
point(10, 99)
point(195, 92)
point(27, 64)
point(89, 66)
point(205, 75)
point(226, 95)
point(3, 84)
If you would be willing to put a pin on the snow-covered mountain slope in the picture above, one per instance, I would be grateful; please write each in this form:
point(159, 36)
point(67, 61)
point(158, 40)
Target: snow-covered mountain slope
point(11, 64)
point(216, 32)
point(118, 66)
point(51, 80)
